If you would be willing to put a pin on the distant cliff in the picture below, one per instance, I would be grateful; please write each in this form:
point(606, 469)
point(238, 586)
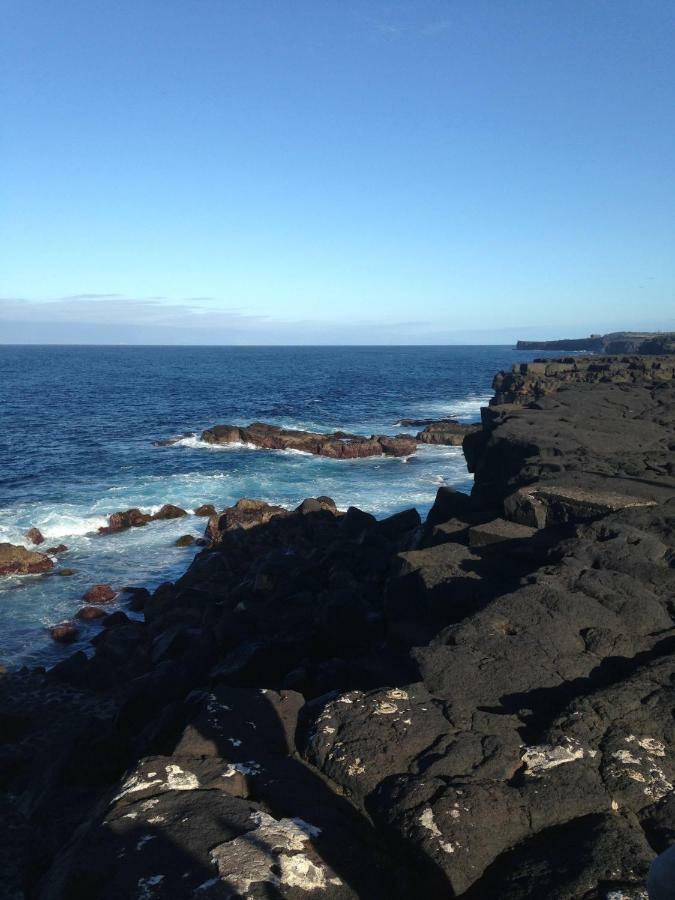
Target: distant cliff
point(616, 342)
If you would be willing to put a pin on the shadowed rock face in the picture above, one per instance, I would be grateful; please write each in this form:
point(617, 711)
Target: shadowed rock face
point(445, 432)
point(337, 446)
point(325, 705)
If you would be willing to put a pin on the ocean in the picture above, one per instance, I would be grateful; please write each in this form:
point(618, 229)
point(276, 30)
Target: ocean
point(77, 426)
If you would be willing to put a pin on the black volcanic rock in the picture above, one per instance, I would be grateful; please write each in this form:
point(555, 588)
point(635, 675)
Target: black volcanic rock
point(446, 432)
point(479, 706)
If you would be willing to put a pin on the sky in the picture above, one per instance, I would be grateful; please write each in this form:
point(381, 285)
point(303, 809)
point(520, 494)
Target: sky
point(335, 171)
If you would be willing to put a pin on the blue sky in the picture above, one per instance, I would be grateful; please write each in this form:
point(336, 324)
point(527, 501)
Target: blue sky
point(329, 171)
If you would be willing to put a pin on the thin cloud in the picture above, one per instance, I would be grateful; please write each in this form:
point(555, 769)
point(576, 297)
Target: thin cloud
point(396, 26)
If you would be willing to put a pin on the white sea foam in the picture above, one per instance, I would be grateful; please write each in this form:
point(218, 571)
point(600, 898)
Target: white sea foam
point(62, 525)
point(466, 410)
point(196, 443)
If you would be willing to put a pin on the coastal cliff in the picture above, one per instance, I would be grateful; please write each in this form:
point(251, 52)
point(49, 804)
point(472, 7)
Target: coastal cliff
point(615, 342)
point(477, 706)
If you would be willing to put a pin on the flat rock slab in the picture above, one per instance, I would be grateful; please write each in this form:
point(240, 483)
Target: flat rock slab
point(498, 531)
point(547, 504)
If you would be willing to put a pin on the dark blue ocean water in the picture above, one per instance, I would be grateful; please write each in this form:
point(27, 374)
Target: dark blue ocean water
point(77, 426)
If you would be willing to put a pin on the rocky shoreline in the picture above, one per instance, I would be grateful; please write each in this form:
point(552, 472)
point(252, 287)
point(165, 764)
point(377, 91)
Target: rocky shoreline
point(635, 342)
point(475, 706)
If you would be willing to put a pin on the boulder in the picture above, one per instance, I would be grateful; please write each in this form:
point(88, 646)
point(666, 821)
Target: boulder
point(400, 524)
point(205, 510)
point(317, 505)
point(35, 536)
point(169, 511)
point(100, 593)
point(59, 548)
point(130, 518)
point(245, 514)
point(355, 522)
point(452, 504)
point(185, 540)
point(17, 560)
point(89, 613)
point(64, 632)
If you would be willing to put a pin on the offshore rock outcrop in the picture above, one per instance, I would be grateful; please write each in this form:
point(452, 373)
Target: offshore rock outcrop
point(17, 560)
point(446, 432)
point(338, 445)
point(135, 518)
point(476, 706)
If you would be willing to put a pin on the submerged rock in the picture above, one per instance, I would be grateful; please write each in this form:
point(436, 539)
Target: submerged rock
point(59, 548)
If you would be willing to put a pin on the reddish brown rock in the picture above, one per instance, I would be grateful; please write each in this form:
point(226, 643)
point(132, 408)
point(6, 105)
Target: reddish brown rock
point(64, 632)
point(88, 613)
point(59, 548)
point(17, 560)
point(169, 511)
point(338, 445)
point(34, 535)
point(129, 518)
point(99, 593)
point(135, 518)
point(206, 509)
point(245, 513)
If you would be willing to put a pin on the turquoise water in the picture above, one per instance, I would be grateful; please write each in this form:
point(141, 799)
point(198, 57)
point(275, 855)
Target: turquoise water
point(77, 426)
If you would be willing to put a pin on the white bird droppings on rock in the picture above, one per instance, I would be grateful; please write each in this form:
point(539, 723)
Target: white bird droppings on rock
point(178, 780)
point(426, 820)
point(385, 709)
point(626, 757)
point(134, 784)
point(541, 757)
point(273, 853)
point(651, 745)
point(356, 768)
point(397, 694)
